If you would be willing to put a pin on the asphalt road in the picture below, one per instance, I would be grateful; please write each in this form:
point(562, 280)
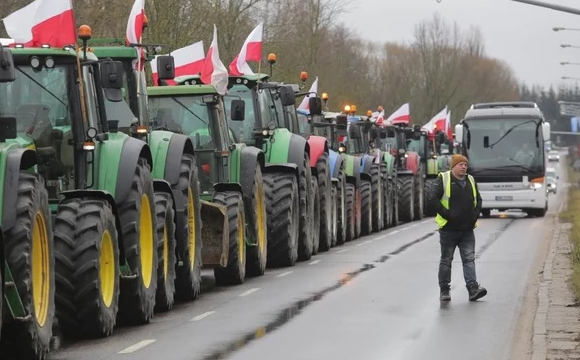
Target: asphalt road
point(373, 298)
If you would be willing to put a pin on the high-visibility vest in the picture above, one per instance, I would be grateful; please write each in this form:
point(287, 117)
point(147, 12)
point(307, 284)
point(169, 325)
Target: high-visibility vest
point(446, 177)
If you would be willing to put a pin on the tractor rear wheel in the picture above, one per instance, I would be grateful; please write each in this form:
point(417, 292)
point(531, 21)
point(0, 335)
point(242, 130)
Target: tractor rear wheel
point(165, 227)
point(366, 208)
point(235, 271)
point(316, 215)
point(29, 252)
point(188, 231)
point(350, 212)
point(377, 199)
point(430, 209)
point(256, 216)
point(342, 219)
point(334, 216)
point(406, 198)
point(324, 190)
point(137, 216)
point(283, 216)
point(419, 195)
point(305, 234)
point(87, 271)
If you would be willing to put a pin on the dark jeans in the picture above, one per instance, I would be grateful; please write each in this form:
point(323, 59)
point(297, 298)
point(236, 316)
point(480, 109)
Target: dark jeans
point(465, 241)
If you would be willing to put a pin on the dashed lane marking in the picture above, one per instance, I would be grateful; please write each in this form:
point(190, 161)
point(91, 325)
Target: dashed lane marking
point(140, 345)
point(364, 243)
point(202, 316)
point(284, 274)
point(341, 251)
point(251, 291)
point(314, 262)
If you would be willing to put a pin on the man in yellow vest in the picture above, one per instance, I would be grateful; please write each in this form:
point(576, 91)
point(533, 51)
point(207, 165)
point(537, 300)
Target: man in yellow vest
point(458, 204)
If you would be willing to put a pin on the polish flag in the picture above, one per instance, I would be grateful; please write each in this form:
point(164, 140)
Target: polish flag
point(251, 51)
point(437, 122)
point(448, 128)
point(135, 23)
point(379, 117)
point(214, 71)
point(311, 93)
point(188, 61)
point(41, 22)
point(401, 116)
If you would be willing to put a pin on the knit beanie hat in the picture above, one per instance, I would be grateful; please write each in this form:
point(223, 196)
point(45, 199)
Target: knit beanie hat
point(456, 159)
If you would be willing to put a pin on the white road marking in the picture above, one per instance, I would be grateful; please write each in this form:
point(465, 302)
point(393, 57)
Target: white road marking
point(251, 291)
point(284, 274)
point(202, 316)
point(314, 262)
point(394, 232)
point(427, 221)
point(139, 345)
point(341, 251)
point(364, 243)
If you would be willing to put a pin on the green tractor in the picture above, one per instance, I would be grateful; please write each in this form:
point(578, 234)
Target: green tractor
point(99, 186)
point(175, 176)
point(231, 177)
point(27, 276)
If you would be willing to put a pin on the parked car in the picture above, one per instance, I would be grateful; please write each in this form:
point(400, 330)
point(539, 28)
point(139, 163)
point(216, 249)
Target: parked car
point(553, 155)
point(551, 180)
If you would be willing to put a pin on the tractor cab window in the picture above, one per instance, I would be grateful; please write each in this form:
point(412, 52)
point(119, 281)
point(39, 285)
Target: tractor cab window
point(243, 130)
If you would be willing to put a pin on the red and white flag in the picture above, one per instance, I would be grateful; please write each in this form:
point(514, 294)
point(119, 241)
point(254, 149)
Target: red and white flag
point(135, 23)
point(448, 125)
point(437, 122)
point(43, 22)
point(402, 115)
point(214, 72)
point(311, 93)
point(251, 51)
point(379, 116)
point(188, 60)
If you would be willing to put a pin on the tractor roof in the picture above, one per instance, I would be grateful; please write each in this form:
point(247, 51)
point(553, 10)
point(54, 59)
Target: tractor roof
point(181, 90)
point(56, 52)
point(115, 52)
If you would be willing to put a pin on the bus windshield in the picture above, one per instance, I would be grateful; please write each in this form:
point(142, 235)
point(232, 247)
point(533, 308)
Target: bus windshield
point(513, 145)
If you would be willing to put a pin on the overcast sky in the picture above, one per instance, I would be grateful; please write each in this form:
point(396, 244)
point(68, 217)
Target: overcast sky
point(517, 33)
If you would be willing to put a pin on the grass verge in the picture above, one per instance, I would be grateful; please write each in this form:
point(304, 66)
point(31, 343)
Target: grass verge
point(572, 215)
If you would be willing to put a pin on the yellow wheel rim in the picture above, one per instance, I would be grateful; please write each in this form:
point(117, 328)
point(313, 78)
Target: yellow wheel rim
point(191, 227)
point(146, 240)
point(107, 268)
point(261, 219)
point(40, 268)
point(241, 237)
point(165, 252)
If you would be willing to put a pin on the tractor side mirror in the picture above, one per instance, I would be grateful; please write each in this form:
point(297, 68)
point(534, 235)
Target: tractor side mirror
point(112, 80)
point(7, 128)
point(238, 110)
point(165, 67)
point(6, 66)
point(486, 141)
point(315, 105)
point(287, 95)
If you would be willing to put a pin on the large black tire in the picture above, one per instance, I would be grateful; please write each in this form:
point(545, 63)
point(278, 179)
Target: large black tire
point(137, 217)
point(257, 220)
point(305, 234)
point(29, 251)
point(377, 199)
point(316, 215)
point(366, 208)
point(430, 206)
point(387, 198)
point(334, 215)
point(396, 191)
point(406, 198)
point(326, 203)
point(188, 232)
point(419, 195)
point(485, 213)
point(343, 220)
point(283, 217)
point(235, 271)
point(358, 213)
point(166, 243)
point(350, 212)
point(87, 268)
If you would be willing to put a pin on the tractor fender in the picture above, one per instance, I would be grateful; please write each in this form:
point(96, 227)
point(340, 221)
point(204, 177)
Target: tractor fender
point(335, 160)
point(228, 187)
point(297, 147)
point(365, 176)
point(413, 162)
point(389, 160)
point(16, 159)
point(351, 180)
point(132, 150)
point(318, 146)
point(357, 171)
point(160, 185)
point(167, 149)
point(367, 163)
point(250, 157)
point(290, 168)
point(106, 196)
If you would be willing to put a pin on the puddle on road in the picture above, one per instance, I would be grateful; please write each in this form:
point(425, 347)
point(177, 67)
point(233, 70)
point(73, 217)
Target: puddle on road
point(283, 317)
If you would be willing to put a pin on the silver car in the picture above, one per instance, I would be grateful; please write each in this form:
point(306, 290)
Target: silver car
point(553, 155)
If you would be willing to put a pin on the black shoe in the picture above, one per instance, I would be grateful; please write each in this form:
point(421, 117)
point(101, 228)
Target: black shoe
point(476, 292)
point(444, 295)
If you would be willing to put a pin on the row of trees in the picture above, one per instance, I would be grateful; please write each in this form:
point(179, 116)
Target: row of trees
point(442, 66)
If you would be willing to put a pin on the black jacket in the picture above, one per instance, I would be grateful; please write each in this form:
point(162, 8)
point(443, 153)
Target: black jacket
point(461, 214)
